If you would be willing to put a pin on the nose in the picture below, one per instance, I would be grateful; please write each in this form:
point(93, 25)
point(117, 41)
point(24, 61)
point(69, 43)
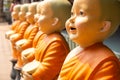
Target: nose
point(72, 19)
point(13, 13)
point(20, 13)
point(27, 15)
point(36, 17)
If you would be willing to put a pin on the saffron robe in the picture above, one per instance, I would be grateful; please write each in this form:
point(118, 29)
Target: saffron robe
point(96, 62)
point(51, 53)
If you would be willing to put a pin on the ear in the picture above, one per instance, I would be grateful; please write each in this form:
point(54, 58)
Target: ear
point(55, 21)
point(106, 26)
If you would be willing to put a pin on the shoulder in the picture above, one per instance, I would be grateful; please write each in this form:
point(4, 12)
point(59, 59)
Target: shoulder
point(110, 68)
point(55, 37)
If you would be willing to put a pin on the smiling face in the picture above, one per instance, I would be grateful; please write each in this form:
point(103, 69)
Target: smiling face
point(31, 12)
point(23, 11)
point(36, 16)
point(53, 15)
point(45, 17)
point(84, 26)
point(15, 12)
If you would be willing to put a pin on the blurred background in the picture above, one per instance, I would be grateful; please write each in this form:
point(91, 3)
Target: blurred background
point(5, 49)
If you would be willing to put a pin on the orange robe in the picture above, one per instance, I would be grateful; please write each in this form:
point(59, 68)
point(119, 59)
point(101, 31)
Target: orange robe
point(15, 23)
point(29, 35)
point(20, 29)
point(51, 52)
point(13, 28)
point(39, 36)
point(96, 62)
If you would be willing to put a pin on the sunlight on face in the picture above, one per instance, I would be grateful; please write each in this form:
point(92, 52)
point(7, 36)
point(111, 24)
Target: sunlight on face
point(45, 17)
point(15, 12)
point(31, 12)
point(84, 25)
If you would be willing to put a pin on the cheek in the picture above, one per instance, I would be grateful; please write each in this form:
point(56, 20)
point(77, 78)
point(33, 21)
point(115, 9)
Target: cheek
point(82, 23)
point(41, 21)
point(67, 24)
point(36, 18)
point(14, 14)
point(79, 23)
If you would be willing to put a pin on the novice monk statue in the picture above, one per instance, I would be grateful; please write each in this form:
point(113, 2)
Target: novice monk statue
point(12, 30)
point(27, 55)
point(22, 27)
point(29, 34)
point(91, 22)
point(16, 22)
point(19, 31)
point(52, 49)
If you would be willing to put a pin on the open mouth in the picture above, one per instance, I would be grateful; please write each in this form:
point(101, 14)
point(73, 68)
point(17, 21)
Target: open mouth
point(72, 28)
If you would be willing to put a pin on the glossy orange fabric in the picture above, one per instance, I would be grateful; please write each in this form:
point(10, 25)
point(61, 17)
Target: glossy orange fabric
point(39, 36)
point(13, 28)
point(20, 31)
point(14, 52)
point(97, 62)
point(51, 52)
point(15, 24)
point(29, 35)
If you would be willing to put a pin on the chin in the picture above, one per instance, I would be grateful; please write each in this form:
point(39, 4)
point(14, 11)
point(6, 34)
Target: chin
point(73, 37)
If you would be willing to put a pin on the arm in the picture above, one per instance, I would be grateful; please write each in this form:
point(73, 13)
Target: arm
point(30, 39)
point(20, 33)
point(52, 62)
point(28, 55)
point(108, 71)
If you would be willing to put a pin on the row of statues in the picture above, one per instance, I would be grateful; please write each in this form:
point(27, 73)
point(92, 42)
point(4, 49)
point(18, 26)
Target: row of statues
point(40, 51)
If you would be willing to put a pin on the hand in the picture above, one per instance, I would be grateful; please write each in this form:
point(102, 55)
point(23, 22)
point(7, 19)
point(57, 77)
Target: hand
point(27, 76)
point(18, 48)
point(25, 61)
point(6, 36)
point(12, 37)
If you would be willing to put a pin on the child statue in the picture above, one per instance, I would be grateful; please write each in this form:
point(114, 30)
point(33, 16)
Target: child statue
point(53, 48)
point(19, 31)
point(28, 35)
point(91, 22)
point(30, 32)
point(27, 55)
point(16, 22)
point(22, 27)
point(13, 27)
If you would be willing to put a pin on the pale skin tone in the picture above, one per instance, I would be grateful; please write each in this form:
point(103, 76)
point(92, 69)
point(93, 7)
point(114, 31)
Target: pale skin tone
point(44, 16)
point(46, 19)
point(15, 13)
point(22, 13)
point(36, 16)
point(48, 22)
point(30, 14)
point(85, 24)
